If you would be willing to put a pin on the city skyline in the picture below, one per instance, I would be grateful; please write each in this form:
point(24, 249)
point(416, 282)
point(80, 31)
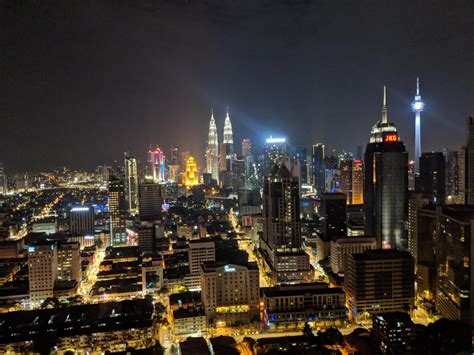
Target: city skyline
point(315, 67)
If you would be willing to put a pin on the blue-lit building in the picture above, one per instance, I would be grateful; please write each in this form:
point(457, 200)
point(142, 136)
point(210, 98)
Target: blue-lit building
point(276, 149)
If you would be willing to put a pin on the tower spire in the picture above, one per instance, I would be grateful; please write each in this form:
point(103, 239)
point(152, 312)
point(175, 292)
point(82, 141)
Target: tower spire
point(384, 106)
point(417, 86)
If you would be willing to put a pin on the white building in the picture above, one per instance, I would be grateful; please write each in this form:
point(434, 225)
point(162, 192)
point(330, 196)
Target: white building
point(342, 247)
point(43, 269)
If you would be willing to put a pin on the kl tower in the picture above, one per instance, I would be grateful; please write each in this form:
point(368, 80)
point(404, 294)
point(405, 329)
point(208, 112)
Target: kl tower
point(417, 106)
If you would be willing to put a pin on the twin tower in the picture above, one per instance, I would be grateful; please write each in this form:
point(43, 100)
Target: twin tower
point(215, 162)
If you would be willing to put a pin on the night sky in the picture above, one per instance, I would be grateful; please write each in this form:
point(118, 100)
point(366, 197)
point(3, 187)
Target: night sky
point(83, 81)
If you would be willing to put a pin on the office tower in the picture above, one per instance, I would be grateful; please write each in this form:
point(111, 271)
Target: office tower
point(81, 220)
point(301, 303)
point(227, 147)
point(394, 333)
point(147, 233)
point(42, 270)
point(345, 184)
point(184, 155)
point(433, 175)
point(416, 201)
point(156, 164)
point(462, 175)
point(174, 173)
point(454, 262)
point(425, 249)
point(275, 151)
point(386, 184)
point(150, 197)
point(131, 183)
point(174, 156)
point(69, 261)
point(379, 280)
point(281, 239)
point(452, 177)
point(3, 180)
point(200, 251)
point(191, 175)
point(117, 208)
point(357, 182)
point(238, 174)
point(342, 247)
point(470, 161)
point(413, 178)
point(300, 155)
point(417, 106)
point(246, 147)
point(230, 294)
point(319, 167)
point(212, 151)
point(333, 214)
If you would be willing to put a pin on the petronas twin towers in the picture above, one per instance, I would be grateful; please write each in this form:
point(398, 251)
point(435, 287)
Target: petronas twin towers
point(216, 163)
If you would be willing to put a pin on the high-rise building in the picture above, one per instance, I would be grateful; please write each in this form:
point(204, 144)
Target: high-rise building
point(156, 164)
point(413, 178)
point(300, 155)
point(379, 280)
point(470, 161)
point(345, 185)
point(333, 214)
point(212, 150)
point(357, 182)
point(227, 147)
point(150, 197)
point(191, 175)
point(417, 106)
point(117, 208)
point(3, 180)
point(276, 149)
point(174, 155)
point(238, 174)
point(200, 251)
point(69, 261)
point(230, 293)
point(342, 247)
point(319, 167)
point(42, 270)
point(452, 176)
point(147, 235)
point(454, 262)
point(81, 220)
point(131, 183)
point(246, 147)
point(433, 175)
point(416, 201)
point(281, 239)
point(386, 185)
point(462, 175)
point(394, 333)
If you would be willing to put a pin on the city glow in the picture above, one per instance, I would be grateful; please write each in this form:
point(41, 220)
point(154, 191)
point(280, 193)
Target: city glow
point(275, 140)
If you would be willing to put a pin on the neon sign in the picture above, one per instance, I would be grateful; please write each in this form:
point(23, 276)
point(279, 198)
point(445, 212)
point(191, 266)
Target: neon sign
point(390, 138)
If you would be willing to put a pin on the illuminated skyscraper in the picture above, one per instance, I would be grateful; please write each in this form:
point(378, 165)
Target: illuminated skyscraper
point(150, 200)
point(3, 180)
point(276, 149)
point(345, 185)
point(191, 175)
point(212, 151)
point(417, 105)
point(131, 183)
point(156, 164)
point(281, 240)
point(319, 168)
point(469, 161)
point(357, 182)
point(246, 147)
point(227, 147)
point(386, 185)
point(117, 207)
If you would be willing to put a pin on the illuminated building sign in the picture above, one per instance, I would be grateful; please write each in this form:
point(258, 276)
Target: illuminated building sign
point(228, 268)
point(275, 140)
point(31, 249)
point(390, 137)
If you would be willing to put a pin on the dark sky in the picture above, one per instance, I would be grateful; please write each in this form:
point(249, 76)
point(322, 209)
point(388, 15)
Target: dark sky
point(83, 81)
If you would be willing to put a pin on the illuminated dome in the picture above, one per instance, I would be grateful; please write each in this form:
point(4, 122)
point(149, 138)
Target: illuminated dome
point(383, 126)
point(191, 176)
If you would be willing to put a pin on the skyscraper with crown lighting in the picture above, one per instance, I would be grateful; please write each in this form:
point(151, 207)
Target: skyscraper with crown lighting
point(212, 150)
point(386, 184)
point(226, 153)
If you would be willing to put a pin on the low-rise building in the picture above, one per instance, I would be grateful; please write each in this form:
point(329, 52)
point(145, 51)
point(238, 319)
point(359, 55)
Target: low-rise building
point(300, 303)
point(189, 321)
